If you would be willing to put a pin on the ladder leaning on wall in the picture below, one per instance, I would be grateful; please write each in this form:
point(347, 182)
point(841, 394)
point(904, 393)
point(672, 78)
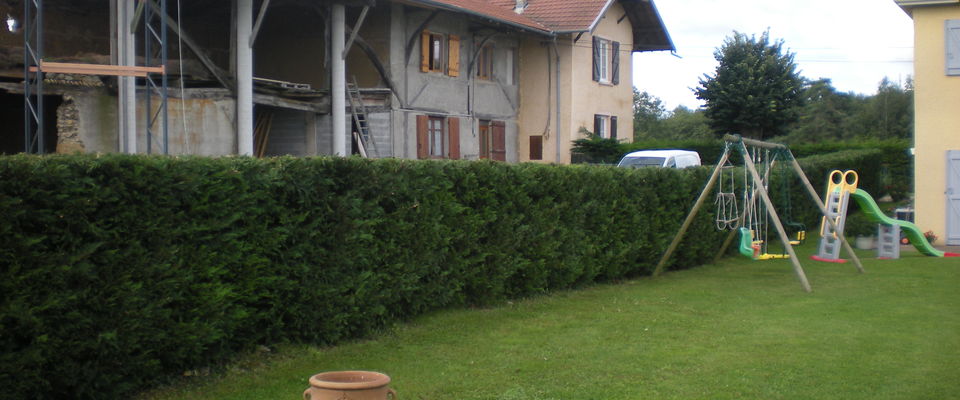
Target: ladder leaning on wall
point(359, 112)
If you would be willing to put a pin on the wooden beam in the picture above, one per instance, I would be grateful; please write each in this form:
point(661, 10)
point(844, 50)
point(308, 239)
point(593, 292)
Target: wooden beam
point(260, 16)
point(217, 73)
point(797, 268)
point(823, 211)
point(96, 69)
point(693, 213)
point(355, 30)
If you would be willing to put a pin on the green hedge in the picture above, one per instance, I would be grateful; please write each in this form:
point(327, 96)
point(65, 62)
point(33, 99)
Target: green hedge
point(120, 271)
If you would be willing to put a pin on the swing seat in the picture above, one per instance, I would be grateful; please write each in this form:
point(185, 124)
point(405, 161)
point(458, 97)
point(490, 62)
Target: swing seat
point(772, 256)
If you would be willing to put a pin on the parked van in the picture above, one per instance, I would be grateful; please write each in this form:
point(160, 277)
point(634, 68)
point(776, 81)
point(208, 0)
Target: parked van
point(660, 158)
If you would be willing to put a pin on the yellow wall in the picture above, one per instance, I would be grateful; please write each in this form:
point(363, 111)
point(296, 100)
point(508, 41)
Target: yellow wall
point(937, 121)
point(581, 97)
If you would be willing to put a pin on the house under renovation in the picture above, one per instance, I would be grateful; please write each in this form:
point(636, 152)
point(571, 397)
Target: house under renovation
point(510, 80)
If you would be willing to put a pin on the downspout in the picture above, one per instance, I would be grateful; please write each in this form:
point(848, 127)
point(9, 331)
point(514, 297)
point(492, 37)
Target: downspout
point(556, 50)
point(338, 79)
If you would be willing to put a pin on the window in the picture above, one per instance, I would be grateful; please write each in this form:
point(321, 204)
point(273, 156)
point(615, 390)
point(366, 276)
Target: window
point(438, 137)
point(606, 61)
point(605, 126)
point(493, 140)
point(485, 63)
point(509, 78)
point(435, 137)
point(952, 40)
point(440, 53)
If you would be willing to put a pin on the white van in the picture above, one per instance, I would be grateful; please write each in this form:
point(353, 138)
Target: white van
point(660, 158)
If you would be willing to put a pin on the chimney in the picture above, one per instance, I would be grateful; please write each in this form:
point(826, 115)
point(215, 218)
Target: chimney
point(521, 5)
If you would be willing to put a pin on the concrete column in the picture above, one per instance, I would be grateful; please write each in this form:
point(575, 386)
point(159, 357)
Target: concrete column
point(127, 90)
point(338, 79)
point(244, 78)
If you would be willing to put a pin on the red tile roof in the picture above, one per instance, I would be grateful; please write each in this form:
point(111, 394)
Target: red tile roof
point(560, 15)
point(489, 8)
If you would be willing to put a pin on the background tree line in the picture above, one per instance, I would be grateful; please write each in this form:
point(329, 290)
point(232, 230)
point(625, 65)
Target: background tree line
point(824, 114)
point(757, 91)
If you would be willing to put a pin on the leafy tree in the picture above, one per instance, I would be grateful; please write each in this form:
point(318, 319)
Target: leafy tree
point(648, 111)
point(756, 89)
point(825, 114)
point(684, 123)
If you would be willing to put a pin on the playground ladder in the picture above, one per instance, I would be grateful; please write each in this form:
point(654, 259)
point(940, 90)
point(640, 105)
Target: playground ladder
point(837, 202)
point(889, 246)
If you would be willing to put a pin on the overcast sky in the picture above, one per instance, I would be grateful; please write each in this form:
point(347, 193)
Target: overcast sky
point(855, 43)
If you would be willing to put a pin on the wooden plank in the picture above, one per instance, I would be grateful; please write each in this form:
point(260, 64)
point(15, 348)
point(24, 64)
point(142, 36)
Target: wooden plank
point(693, 213)
point(797, 268)
point(96, 69)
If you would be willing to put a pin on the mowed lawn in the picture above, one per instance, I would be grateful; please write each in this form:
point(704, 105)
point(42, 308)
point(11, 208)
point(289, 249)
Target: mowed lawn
point(735, 330)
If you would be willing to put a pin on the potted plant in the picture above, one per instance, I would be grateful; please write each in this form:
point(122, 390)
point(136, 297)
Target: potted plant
point(930, 236)
point(863, 231)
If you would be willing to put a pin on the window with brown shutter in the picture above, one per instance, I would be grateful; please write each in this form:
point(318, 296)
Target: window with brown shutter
point(453, 138)
point(433, 52)
point(453, 63)
point(484, 136)
point(485, 63)
point(423, 141)
point(498, 151)
point(536, 147)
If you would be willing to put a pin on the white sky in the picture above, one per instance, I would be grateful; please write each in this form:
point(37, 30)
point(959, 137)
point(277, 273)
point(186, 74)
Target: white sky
point(855, 43)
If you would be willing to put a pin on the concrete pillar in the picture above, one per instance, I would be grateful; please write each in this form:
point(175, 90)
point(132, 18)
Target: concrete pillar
point(127, 90)
point(338, 79)
point(244, 78)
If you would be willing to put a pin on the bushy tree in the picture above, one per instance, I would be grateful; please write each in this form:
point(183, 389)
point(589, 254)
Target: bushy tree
point(756, 89)
point(648, 111)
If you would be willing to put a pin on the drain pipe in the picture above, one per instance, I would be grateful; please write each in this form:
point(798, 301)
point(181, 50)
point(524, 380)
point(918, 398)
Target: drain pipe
point(559, 134)
point(338, 79)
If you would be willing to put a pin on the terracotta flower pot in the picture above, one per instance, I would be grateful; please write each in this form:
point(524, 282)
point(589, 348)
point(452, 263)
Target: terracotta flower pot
point(349, 385)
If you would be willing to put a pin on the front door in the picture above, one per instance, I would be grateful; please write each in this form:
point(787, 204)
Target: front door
point(953, 197)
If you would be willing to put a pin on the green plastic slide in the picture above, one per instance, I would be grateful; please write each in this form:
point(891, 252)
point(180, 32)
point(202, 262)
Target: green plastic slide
point(913, 233)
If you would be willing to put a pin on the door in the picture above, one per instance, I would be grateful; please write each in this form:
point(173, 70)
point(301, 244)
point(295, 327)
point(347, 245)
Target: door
point(953, 197)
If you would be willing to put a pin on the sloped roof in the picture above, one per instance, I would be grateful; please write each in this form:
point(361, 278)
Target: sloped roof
point(554, 17)
point(488, 9)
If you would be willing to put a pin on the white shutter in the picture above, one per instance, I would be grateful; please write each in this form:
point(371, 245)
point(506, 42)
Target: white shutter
point(952, 51)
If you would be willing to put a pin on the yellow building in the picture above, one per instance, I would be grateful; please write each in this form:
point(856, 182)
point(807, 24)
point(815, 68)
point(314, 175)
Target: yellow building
point(937, 120)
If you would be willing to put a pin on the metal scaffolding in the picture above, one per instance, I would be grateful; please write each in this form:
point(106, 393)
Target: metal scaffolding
point(153, 74)
point(33, 77)
point(155, 54)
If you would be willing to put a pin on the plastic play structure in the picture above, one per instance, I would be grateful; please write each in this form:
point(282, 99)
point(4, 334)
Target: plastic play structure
point(759, 213)
point(841, 187)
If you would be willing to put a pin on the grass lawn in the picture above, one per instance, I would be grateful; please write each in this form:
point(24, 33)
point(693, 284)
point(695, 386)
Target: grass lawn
point(738, 329)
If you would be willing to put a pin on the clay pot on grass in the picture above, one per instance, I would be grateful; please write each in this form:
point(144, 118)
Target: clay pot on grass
point(349, 385)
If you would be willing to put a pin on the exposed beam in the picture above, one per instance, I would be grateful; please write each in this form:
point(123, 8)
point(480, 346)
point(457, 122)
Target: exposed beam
point(97, 69)
point(260, 16)
point(356, 29)
point(192, 45)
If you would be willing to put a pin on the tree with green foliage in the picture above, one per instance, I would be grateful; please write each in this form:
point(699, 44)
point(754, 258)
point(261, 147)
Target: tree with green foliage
point(756, 89)
point(648, 111)
point(684, 123)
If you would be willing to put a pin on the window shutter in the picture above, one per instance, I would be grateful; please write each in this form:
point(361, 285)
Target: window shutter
point(536, 147)
point(422, 141)
point(425, 51)
point(499, 151)
point(615, 63)
point(597, 125)
point(952, 40)
point(596, 59)
point(453, 137)
point(613, 126)
point(453, 63)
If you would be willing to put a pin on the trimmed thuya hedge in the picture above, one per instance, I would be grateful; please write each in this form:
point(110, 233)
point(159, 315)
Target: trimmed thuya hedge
point(120, 271)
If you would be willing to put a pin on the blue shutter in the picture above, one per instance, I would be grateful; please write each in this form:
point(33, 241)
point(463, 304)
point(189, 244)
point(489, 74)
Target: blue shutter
point(952, 40)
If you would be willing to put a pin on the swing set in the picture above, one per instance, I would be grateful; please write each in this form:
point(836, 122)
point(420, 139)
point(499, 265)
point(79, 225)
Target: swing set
point(753, 222)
